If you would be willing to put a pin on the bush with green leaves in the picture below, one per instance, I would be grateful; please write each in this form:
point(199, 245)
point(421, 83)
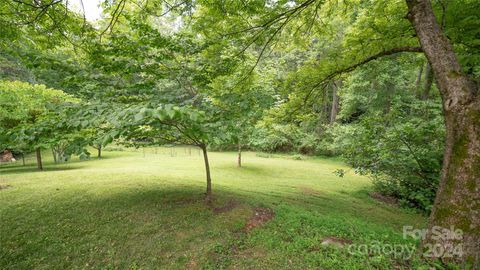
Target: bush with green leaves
point(30, 115)
point(401, 149)
point(288, 137)
point(275, 137)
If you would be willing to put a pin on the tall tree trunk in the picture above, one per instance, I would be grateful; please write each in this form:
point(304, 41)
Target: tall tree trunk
point(23, 159)
point(99, 150)
point(457, 202)
point(208, 194)
point(335, 102)
point(54, 155)
point(239, 159)
point(428, 82)
point(326, 108)
point(418, 82)
point(39, 158)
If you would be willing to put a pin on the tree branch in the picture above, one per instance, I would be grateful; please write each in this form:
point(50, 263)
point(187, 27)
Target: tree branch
point(322, 83)
point(373, 57)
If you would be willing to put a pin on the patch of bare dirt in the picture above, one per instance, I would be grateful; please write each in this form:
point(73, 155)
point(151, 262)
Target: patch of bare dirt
point(4, 186)
point(403, 264)
point(386, 199)
point(192, 264)
point(260, 217)
point(229, 206)
point(336, 241)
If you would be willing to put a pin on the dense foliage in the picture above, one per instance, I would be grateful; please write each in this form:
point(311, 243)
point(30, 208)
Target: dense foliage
point(389, 131)
point(30, 116)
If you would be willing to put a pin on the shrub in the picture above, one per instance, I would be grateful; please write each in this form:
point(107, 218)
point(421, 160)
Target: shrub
point(297, 157)
point(308, 144)
point(275, 138)
point(401, 150)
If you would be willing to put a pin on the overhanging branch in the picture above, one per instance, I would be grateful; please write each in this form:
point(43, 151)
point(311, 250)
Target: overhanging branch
point(335, 73)
point(373, 57)
point(323, 83)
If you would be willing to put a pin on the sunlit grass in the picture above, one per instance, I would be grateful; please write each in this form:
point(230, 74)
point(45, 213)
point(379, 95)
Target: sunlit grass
point(146, 210)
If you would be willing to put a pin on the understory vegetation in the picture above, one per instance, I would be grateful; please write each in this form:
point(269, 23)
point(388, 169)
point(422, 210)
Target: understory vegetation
point(302, 113)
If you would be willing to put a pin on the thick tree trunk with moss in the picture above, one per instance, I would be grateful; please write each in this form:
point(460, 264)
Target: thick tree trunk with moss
point(39, 158)
point(208, 194)
point(457, 202)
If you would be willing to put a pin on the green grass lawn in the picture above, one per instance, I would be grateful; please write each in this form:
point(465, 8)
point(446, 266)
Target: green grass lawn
point(136, 210)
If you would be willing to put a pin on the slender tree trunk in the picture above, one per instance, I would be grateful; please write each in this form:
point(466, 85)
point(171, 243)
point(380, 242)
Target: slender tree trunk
point(418, 82)
point(61, 154)
point(99, 150)
point(239, 159)
point(335, 102)
point(23, 159)
point(428, 82)
point(457, 202)
point(39, 158)
point(54, 155)
point(208, 194)
point(326, 108)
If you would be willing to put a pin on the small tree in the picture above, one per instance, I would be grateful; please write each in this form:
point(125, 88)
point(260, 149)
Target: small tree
point(241, 103)
point(28, 116)
point(141, 125)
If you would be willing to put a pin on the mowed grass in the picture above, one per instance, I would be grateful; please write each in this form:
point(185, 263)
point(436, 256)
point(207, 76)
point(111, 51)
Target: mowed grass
point(136, 210)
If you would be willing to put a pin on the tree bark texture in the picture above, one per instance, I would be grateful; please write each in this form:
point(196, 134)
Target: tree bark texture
point(457, 201)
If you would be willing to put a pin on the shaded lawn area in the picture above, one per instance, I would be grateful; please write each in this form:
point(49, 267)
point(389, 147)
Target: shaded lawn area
point(146, 211)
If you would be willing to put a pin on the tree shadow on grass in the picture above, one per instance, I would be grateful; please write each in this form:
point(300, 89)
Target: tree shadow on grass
point(247, 169)
point(147, 222)
point(48, 166)
point(33, 168)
